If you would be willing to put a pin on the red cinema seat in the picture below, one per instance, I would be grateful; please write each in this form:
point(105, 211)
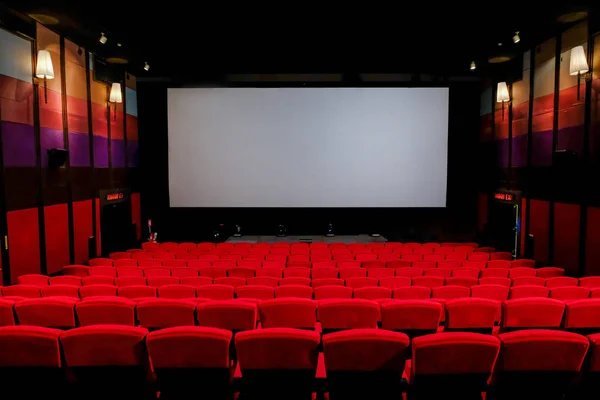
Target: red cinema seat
point(498, 264)
point(61, 291)
point(372, 264)
point(472, 314)
point(28, 291)
point(303, 292)
point(492, 292)
point(108, 361)
point(165, 313)
point(131, 280)
point(456, 265)
point(142, 256)
point(197, 281)
point(103, 271)
point(76, 270)
point(495, 273)
point(460, 363)
point(465, 273)
point(97, 290)
point(450, 292)
point(215, 292)
point(281, 264)
point(275, 272)
point(412, 317)
point(550, 272)
point(590, 281)
point(176, 291)
point(520, 292)
point(529, 281)
point(583, 316)
point(428, 281)
point(296, 273)
point(125, 263)
point(412, 293)
point(250, 264)
point(501, 255)
point(356, 283)
point(106, 311)
point(324, 273)
point(412, 257)
point(496, 281)
point(348, 264)
point(364, 363)
point(372, 293)
point(213, 272)
point(323, 264)
point(288, 313)
point(157, 281)
point(191, 361)
point(478, 265)
point(348, 273)
point(208, 257)
point(169, 247)
point(255, 292)
point(243, 273)
point(478, 256)
point(523, 262)
point(320, 282)
point(184, 272)
point(522, 273)
point(164, 256)
point(440, 272)
point(457, 257)
point(144, 264)
point(119, 255)
point(65, 280)
point(332, 292)
point(409, 272)
point(398, 264)
point(424, 265)
point(588, 385)
point(156, 272)
point(100, 262)
point(532, 313)
point(340, 314)
point(260, 358)
point(33, 280)
point(30, 362)
point(388, 257)
point(561, 281)
point(538, 364)
point(568, 293)
point(298, 258)
point(464, 281)
point(232, 315)
point(394, 282)
point(379, 273)
point(137, 291)
point(172, 264)
point(7, 312)
point(437, 257)
point(363, 257)
point(50, 312)
point(263, 281)
point(230, 281)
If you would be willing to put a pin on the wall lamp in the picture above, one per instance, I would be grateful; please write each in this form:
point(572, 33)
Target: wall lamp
point(44, 70)
point(579, 66)
point(502, 95)
point(116, 96)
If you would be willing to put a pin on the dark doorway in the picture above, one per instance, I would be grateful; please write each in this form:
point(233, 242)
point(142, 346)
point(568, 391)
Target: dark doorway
point(502, 225)
point(116, 229)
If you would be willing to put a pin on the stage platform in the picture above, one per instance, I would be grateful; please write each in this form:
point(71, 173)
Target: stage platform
point(308, 239)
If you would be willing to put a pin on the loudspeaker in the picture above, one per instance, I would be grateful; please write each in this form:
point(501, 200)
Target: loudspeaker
point(57, 157)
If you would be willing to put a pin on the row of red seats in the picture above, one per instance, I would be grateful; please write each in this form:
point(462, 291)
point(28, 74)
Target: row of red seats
point(227, 289)
point(112, 361)
point(414, 317)
point(313, 257)
point(315, 273)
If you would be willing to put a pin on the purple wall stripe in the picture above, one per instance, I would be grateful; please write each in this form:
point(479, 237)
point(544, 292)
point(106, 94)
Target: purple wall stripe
point(50, 139)
point(79, 149)
point(132, 153)
point(100, 151)
point(571, 138)
point(541, 152)
point(18, 144)
point(501, 152)
point(519, 151)
point(118, 153)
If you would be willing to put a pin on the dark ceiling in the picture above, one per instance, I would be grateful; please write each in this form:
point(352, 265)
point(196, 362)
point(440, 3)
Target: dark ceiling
point(190, 40)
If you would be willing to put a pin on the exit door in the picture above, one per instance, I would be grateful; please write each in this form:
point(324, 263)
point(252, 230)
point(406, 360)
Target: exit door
point(503, 223)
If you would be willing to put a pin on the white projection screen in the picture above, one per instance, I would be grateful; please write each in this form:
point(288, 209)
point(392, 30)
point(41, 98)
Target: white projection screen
point(308, 147)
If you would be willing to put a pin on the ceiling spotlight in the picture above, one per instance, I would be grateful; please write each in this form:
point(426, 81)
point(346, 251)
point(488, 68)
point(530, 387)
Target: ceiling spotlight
point(473, 66)
point(103, 38)
point(499, 44)
point(146, 66)
point(119, 45)
point(516, 38)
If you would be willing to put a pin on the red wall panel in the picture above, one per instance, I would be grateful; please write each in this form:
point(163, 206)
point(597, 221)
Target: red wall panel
point(23, 242)
point(56, 220)
point(566, 236)
point(523, 225)
point(539, 225)
point(592, 244)
point(82, 229)
point(136, 216)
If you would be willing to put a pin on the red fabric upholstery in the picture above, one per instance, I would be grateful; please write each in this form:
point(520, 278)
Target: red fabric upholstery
point(184, 272)
point(276, 273)
point(398, 264)
point(189, 347)
point(379, 273)
point(296, 273)
point(532, 313)
point(215, 292)
point(479, 265)
point(131, 281)
point(176, 291)
point(354, 273)
point(97, 290)
point(464, 281)
point(33, 280)
point(324, 273)
point(288, 313)
point(230, 314)
point(231, 281)
point(523, 262)
point(428, 281)
point(496, 281)
point(498, 264)
point(97, 280)
point(125, 263)
point(258, 292)
point(522, 272)
point(106, 311)
point(156, 272)
point(550, 272)
point(590, 281)
point(196, 281)
point(213, 272)
point(493, 292)
point(394, 282)
point(356, 283)
point(569, 293)
point(412, 293)
point(465, 273)
point(129, 271)
point(29, 346)
point(29, 291)
point(348, 314)
point(365, 350)
point(243, 273)
point(61, 290)
point(501, 255)
point(7, 312)
point(304, 292)
point(424, 264)
point(103, 271)
point(106, 262)
point(495, 273)
point(263, 281)
point(594, 365)
point(583, 314)
point(399, 315)
point(76, 270)
point(50, 312)
point(303, 281)
point(165, 313)
point(332, 292)
point(318, 282)
point(450, 292)
point(409, 272)
point(472, 314)
point(520, 292)
point(560, 281)
point(372, 293)
point(132, 292)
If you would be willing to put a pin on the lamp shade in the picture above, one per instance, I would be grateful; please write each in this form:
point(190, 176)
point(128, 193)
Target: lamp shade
point(579, 63)
point(115, 93)
point(44, 67)
point(502, 95)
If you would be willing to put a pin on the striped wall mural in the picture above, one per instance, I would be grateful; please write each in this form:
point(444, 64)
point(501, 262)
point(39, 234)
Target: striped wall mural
point(566, 226)
point(51, 213)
